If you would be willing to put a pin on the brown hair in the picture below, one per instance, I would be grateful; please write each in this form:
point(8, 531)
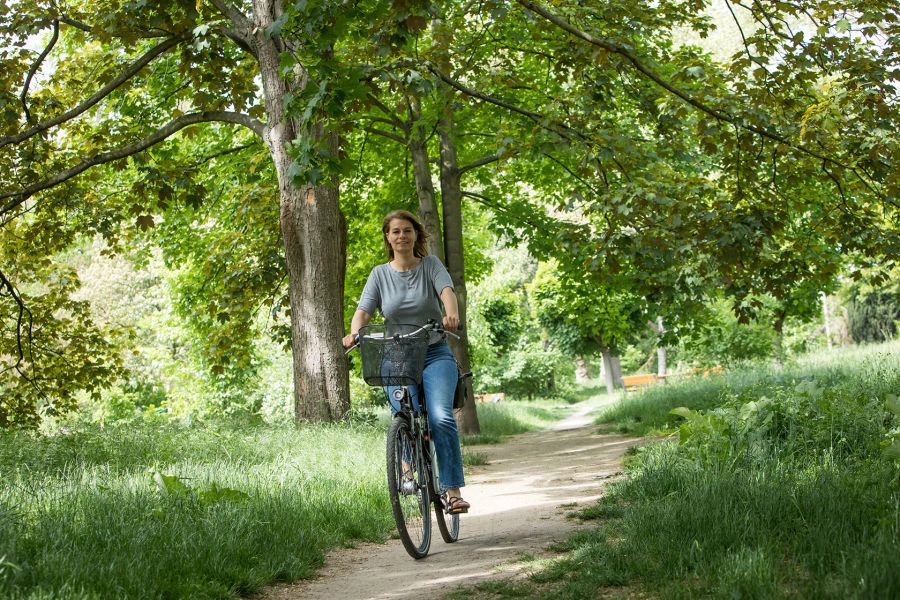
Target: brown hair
point(420, 248)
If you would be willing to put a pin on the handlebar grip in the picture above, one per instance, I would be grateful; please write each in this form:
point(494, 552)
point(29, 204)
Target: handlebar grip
point(354, 346)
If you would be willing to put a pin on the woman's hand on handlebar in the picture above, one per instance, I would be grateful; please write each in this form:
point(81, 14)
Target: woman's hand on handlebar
point(360, 319)
point(348, 341)
point(451, 322)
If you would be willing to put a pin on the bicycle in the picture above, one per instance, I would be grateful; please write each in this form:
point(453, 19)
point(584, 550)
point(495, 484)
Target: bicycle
point(393, 356)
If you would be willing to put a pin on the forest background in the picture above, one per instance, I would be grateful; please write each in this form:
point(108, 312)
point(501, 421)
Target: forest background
point(192, 192)
point(190, 201)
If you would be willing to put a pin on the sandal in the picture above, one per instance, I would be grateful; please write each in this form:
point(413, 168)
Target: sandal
point(454, 505)
point(407, 483)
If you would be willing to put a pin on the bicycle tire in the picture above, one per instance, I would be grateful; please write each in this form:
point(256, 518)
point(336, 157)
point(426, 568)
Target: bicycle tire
point(449, 530)
point(411, 508)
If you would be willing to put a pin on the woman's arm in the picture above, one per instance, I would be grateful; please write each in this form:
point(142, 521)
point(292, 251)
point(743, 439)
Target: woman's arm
point(360, 319)
point(451, 309)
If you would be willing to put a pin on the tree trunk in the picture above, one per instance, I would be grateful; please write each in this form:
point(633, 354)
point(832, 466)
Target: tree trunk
point(778, 325)
point(315, 249)
point(827, 319)
point(582, 373)
point(661, 352)
point(314, 233)
point(451, 200)
point(428, 212)
point(616, 370)
point(608, 371)
point(844, 328)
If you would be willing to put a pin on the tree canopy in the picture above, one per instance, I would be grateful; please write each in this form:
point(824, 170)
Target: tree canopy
point(244, 140)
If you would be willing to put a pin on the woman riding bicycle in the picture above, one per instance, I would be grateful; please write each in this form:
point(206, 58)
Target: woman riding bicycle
point(410, 289)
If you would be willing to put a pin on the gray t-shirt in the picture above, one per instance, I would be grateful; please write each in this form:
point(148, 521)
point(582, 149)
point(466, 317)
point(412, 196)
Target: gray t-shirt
point(411, 297)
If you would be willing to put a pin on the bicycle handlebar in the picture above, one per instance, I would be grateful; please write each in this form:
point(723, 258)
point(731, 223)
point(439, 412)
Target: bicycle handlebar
point(431, 325)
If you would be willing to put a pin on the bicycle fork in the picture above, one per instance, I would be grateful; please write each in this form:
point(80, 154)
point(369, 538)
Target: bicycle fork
point(424, 444)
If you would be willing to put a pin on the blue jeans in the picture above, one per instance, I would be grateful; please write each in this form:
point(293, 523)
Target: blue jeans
point(439, 380)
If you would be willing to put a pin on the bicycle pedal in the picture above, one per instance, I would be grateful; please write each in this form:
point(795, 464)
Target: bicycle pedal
point(451, 511)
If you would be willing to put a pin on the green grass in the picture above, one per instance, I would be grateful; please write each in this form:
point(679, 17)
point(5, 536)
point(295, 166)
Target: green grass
point(216, 510)
point(684, 531)
point(778, 488)
point(81, 515)
point(502, 419)
point(511, 418)
point(647, 412)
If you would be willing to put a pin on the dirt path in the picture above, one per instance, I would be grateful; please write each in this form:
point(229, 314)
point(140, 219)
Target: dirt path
point(516, 510)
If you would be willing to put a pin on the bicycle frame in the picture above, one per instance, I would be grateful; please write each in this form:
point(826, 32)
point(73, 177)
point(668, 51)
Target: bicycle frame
point(418, 420)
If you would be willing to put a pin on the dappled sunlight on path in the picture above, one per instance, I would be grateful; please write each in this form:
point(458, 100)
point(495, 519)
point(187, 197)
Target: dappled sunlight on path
point(519, 505)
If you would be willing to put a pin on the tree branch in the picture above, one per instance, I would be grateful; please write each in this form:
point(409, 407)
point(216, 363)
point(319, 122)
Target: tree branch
point(242, 33)
point(34, 68)
point(495, 205)
point(741, 31)
point(7, 286)
point(234, 15)
point(486, 160)
point(75, 24)
point(390, 136)
point(127, 74)
point(391, 114)
point(147, 33)
point(216, 155)
point(18, 197)
point(616, 48)
point(577, 177)
point(543, 122)
point(388, 122)
point(240, 40)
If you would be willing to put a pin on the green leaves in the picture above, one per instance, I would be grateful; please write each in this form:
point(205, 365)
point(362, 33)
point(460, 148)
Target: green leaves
point(274, 30)
point(892, 403)
point(579, 314)
point(63, 351)
point(211, 494)
point(169, 484)
point(707, 435)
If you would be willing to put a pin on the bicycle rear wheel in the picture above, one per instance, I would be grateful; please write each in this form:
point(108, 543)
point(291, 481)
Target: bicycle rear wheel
point(409, 488)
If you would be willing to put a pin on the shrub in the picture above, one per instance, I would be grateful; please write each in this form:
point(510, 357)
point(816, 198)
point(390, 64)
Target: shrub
point(525, 373)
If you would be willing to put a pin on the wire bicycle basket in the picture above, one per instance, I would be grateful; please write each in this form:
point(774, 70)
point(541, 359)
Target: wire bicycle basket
point(393, 354)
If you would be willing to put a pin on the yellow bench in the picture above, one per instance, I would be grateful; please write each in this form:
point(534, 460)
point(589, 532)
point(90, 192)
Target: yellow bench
point(634, 382)
point(490, 398)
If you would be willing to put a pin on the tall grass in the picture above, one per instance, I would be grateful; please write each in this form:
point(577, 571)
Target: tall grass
point(218, 510)
point(160, 511)
point(777, 486)
point(510, 418)
point(648, 411)
point(520, 416)
point(682, 529)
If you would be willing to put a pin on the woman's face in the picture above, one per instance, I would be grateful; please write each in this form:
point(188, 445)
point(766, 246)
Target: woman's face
point(401, 235)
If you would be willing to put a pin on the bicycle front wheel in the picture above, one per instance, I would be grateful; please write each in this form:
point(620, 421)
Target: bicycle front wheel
point(447, 524)
point(409, 488)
